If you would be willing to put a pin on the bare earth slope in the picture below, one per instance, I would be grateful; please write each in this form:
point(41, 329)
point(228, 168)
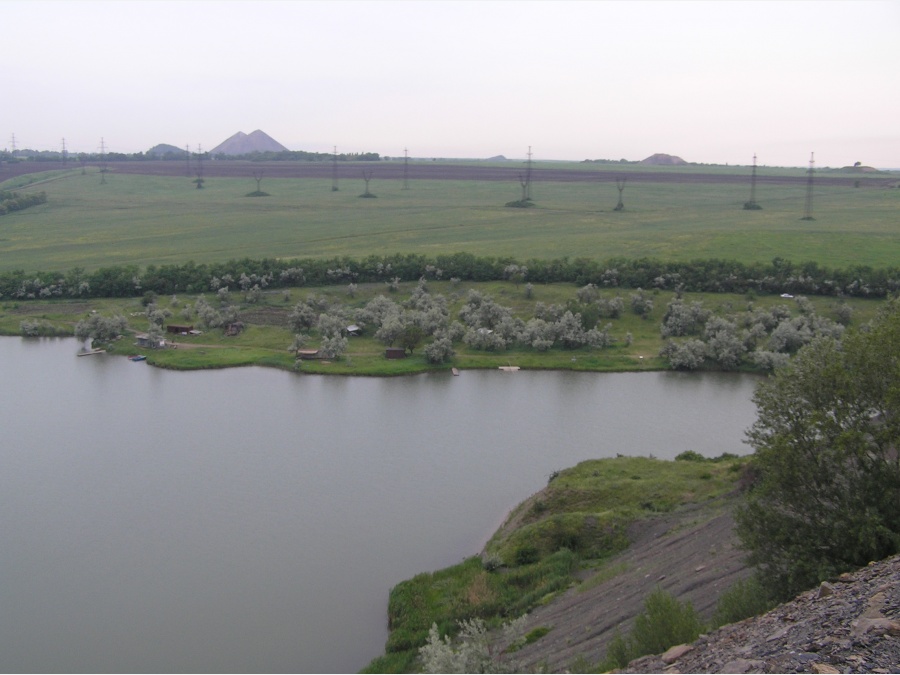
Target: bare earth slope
point(690, 553)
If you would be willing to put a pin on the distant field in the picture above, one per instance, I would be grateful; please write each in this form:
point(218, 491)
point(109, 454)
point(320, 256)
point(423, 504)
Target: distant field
point(670, 214)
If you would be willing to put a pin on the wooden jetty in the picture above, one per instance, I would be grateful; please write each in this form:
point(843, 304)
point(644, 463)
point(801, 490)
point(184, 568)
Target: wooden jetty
point(92, 352)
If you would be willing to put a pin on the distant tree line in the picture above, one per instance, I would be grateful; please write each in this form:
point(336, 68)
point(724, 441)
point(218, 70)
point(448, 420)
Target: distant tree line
point(14, 201)
point(283, 156)
point(715, 276)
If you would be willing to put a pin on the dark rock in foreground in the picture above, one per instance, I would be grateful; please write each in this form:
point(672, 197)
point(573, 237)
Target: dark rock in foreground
point(850, 625)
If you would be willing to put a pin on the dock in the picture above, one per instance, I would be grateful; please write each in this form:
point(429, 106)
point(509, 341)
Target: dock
point(92, 352)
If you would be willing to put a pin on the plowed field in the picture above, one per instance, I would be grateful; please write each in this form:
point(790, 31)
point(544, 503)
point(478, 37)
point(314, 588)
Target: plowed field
point(418, 170)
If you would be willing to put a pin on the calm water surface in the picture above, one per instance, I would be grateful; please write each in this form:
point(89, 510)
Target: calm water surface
point(250, 520)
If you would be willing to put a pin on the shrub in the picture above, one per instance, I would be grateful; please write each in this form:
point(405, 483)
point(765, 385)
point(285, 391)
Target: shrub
point(744, 599)
point(439, 351)
point(664, 622)
point(475, 651)
point(527, 554)
point(37, 328)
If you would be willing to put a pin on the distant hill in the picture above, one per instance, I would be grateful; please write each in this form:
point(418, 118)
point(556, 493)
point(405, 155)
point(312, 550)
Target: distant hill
point(244, 144)
point(858, 168)
point(164, 149)
point(661, 159)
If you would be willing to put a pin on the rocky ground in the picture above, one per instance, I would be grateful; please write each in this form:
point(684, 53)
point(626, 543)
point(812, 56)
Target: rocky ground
point(848, 625)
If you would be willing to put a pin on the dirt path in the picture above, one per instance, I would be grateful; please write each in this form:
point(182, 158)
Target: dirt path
point(692, 554)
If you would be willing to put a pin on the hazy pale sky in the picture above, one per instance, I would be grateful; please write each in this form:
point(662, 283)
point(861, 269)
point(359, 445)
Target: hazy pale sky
point(712, 82)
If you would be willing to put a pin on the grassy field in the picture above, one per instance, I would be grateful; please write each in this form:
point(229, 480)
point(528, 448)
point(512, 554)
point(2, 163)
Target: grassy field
point(136, 219)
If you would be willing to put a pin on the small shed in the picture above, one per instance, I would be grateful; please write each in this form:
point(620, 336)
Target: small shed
point(144, 340)
point(353, 329)
point(395, 353)
point(308, 354)
point(178, 329)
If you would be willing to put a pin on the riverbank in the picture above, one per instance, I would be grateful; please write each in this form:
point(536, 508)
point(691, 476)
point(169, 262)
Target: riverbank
point(556, 326)
point(581, 556)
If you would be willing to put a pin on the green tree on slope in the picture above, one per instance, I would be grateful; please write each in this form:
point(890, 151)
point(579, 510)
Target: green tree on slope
point(827, 438)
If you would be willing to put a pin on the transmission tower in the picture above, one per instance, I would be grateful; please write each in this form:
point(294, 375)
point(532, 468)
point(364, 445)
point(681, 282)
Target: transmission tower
point(102, 161)
point(187, 160)
point(199, 180)
point(620, 186)
point(751, 205)
point(334, 171)
point(405, 169)
point(65, 155)
point(528, 176)
point(808, 210)
point(12, 145)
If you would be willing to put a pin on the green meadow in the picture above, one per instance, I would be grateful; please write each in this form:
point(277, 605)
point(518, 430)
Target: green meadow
point(143, 220)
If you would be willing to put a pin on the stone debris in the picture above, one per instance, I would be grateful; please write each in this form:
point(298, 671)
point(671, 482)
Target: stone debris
point(850, 625)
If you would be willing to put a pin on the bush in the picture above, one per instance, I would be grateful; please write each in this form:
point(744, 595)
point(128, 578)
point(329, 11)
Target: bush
point(439, 351)
point(744, 599)
point(663, 623)
point(37, 328)
point(526, 555)
point(475, 651)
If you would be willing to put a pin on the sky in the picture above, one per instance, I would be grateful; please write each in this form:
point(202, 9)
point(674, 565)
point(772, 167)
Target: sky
point(711, 82)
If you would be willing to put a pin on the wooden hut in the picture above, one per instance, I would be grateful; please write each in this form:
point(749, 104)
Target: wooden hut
point(178, 329)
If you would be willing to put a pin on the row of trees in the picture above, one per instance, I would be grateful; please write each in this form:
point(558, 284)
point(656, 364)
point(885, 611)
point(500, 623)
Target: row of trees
point(269, 156)
point(15, 201)
point(778, 276)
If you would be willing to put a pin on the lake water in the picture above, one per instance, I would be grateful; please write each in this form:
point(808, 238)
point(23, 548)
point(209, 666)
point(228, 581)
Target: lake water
point(252, 520)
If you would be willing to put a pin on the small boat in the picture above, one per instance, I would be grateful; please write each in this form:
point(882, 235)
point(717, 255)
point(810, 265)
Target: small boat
point(455, 371)
point(509, 369)
point(138, 357)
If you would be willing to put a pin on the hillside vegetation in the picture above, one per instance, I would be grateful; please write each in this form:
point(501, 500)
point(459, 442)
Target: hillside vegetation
point(565, 537)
